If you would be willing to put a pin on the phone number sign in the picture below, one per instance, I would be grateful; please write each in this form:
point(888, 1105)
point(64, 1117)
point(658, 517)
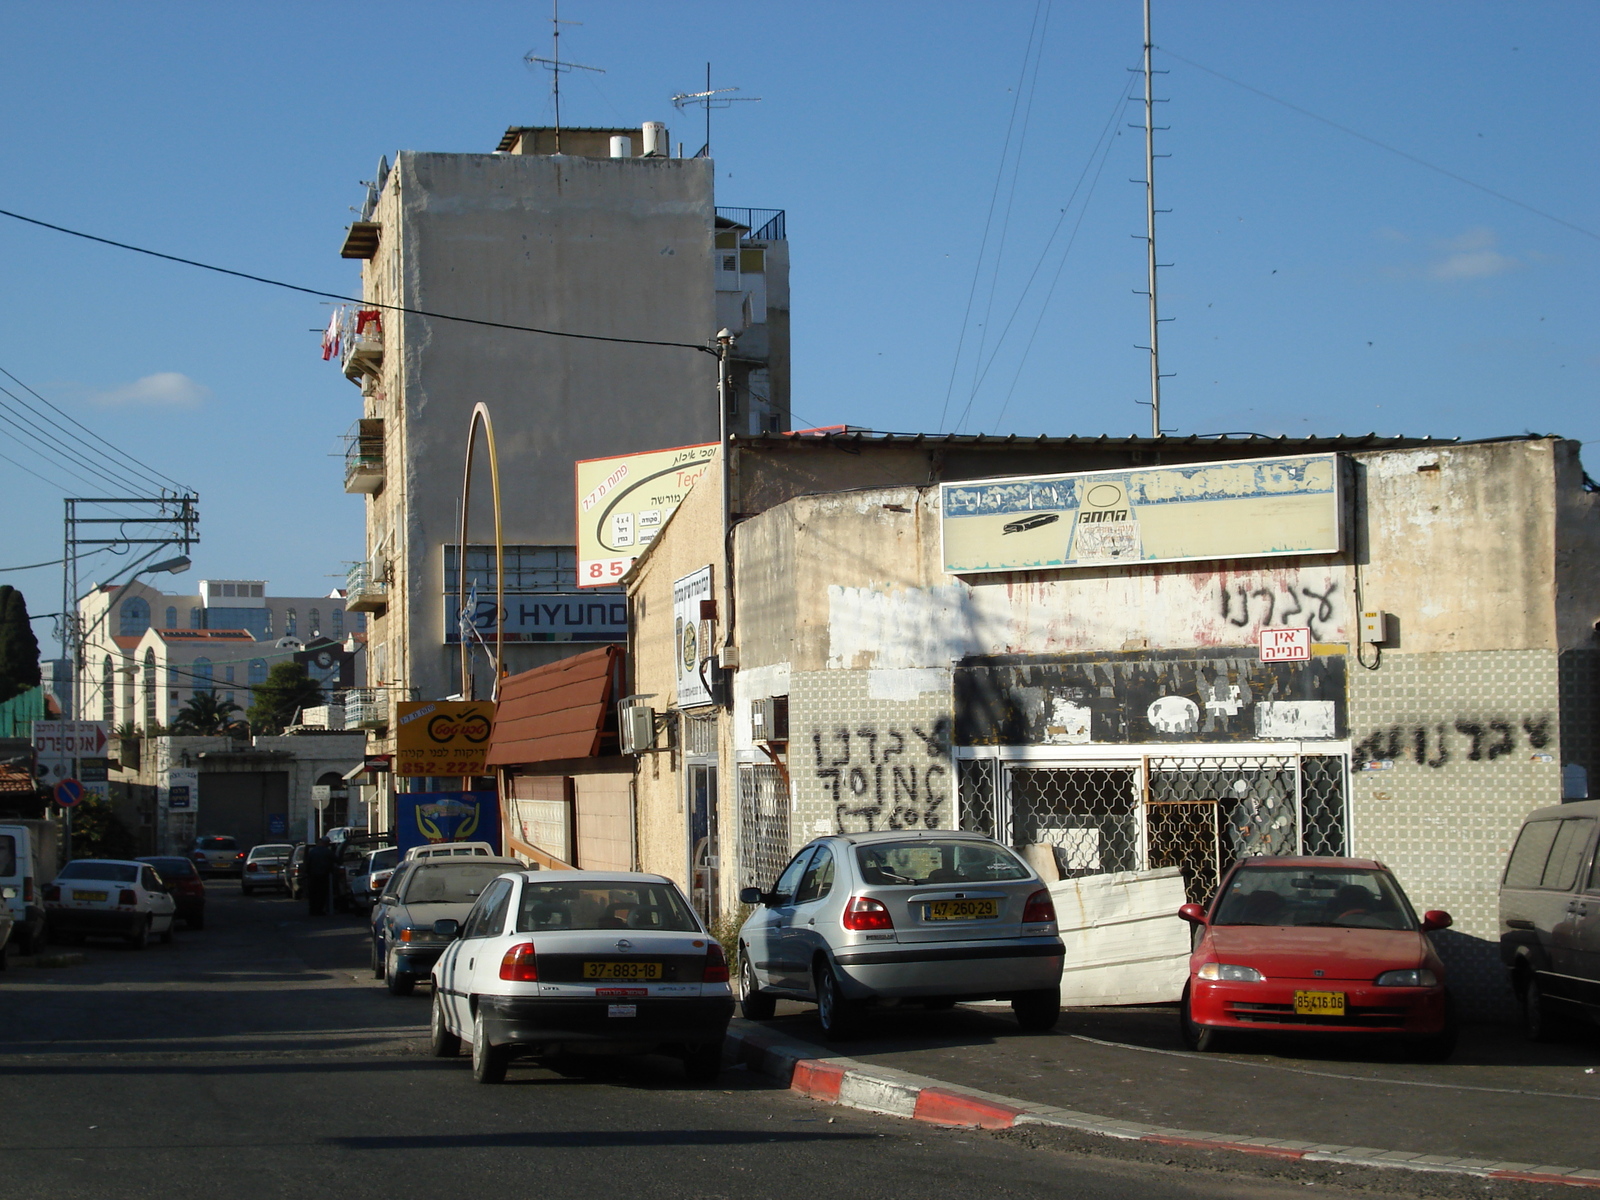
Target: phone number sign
point(443, 737)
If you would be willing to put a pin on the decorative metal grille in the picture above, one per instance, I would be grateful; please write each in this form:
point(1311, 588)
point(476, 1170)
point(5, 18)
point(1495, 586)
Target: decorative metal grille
point(1089, 815)
point(979, 798)
point(1183, 834)
point(763, 825)
point(700, 736)
point(1323, 828)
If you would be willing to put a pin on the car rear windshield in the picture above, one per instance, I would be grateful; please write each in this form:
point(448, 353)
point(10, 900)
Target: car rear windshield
point(111, 872)
point(457, 882)
point(922, 861)
point(382, 860)
point(216, 843)
point(1343, 897)
point(603, 905)
point(272, 851)
point(172, 868)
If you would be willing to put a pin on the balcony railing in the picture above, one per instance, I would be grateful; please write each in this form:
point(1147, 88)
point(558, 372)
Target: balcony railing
point(361, 334)
point(366, 588)
point(764, 224)
point(363, 457)
point(366, 708)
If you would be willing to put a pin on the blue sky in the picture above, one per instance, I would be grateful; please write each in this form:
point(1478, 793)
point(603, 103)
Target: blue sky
point(1320, 283)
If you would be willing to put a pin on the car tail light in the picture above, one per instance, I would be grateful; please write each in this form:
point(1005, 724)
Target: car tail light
point(27, 890)
point(520, 964)
point(1039, 908)
point(863, 912)
point(716, 964)
point(238, 856)
point(51, 893)
point(129, 897)
point(252, 866)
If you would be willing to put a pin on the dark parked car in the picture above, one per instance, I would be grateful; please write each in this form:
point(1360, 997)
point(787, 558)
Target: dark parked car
point(216, 855)
point(404, 942)
point(185, 885)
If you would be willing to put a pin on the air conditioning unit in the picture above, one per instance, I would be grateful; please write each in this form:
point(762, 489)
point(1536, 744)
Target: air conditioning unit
point(769, 719)
point(638, 728)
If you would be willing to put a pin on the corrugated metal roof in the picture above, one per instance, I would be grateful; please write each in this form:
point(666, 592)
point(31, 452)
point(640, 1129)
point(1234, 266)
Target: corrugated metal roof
point(1248, 441)
point(555, 711)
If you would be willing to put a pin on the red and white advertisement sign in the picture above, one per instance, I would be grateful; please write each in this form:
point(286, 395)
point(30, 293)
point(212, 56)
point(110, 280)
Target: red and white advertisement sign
point(1292, 643)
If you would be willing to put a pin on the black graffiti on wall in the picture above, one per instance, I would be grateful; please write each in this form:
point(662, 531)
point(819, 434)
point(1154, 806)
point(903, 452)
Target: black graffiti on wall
point(1436, 744)
point(880, 777)
point(1243, 606)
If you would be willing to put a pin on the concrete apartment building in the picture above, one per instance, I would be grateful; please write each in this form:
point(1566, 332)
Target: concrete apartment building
point(1122, 717)
point(612, 239)
point(147, 652)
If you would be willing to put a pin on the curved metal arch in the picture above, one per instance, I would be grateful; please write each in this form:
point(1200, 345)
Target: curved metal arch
point(480, 414)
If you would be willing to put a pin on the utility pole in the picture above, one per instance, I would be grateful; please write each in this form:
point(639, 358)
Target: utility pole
point(1150, 232)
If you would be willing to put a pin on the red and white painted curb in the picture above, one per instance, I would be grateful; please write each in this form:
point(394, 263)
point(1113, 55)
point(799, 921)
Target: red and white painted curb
point(896, 1093)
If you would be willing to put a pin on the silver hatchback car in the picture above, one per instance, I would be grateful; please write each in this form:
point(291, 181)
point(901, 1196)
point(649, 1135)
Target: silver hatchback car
point(875, 919)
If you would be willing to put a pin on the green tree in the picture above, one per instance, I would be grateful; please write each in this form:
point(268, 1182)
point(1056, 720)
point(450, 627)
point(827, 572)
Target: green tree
point(205, 714)
point(97, 832)
point(19, 649)
point(287, 690)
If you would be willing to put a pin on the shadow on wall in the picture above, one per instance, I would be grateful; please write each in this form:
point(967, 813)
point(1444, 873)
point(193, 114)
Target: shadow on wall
point(1476, 977)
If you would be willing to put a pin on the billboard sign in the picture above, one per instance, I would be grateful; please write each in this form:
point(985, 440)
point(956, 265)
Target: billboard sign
point(624, 501)
point(692, 637)
point(442, 737)
point(1252, 508)
point(58, 744)
point(545, 617)
point(428, 818)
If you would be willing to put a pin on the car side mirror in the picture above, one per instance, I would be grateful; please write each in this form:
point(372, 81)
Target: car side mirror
point(751, 895)
point(1436, 919)
point(1193, 914)
point(447, 928)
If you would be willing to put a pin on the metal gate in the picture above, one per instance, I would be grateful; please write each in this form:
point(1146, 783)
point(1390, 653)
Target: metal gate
point(1197, 813)
point(763, 824)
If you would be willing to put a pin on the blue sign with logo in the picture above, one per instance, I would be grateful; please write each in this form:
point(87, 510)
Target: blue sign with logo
point(428, 818)
point(277, 824)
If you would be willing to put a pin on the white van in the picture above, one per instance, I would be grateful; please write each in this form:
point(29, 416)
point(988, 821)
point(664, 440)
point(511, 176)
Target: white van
point(27, 863)
point(451, 850)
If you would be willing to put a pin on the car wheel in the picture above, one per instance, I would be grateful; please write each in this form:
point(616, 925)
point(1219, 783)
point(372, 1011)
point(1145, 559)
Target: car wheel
point(198, 921)
point(400, 983)
point(753, 1003)
point(5, 948)
point(702, 1064)
point(443, 1043)
point(140, 938)
point(29, 943)
point(1038, 1012)
point(377, 961)
point(488, 1062)
point(840, 1016)
point(1538, 1021)
point(244, 891)
point(166, 934)
point(1195, 1036)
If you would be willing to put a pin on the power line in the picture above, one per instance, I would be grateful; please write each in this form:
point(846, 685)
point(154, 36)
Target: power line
point(30, 430)
point(1421, 162)
point(400, 308)
point(34, 473)
point(150, 473)
point(107, 464)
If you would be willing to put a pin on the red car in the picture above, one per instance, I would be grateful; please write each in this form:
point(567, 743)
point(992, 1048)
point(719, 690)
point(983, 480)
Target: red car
point(183, 881)
point(1325, 945)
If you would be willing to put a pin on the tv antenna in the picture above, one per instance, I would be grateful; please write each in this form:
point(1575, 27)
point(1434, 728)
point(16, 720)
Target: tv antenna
point(554, 65)
point(709, 99)
point(1150, 210)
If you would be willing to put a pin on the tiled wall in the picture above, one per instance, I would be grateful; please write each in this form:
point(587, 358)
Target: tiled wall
point(1451, 752)
point(869, 750)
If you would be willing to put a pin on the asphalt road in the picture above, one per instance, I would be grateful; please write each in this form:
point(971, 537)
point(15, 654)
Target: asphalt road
point(258, 1059)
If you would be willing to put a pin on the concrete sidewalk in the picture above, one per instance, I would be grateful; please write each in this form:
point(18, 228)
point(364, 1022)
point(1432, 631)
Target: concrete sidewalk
point(1500, 1107)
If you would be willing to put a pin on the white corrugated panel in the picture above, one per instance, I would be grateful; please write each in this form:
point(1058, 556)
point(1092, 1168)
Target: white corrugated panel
point(1125, 943)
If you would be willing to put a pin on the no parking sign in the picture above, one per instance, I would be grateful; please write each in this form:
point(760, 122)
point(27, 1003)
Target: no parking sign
point(68, 792)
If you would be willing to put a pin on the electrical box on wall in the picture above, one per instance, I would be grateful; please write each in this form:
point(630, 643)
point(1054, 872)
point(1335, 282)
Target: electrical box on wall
point(1374, 628)
point(637, 727)
point(769, 719)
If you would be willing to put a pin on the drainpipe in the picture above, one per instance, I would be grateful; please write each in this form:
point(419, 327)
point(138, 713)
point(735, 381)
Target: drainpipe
point(725, 339)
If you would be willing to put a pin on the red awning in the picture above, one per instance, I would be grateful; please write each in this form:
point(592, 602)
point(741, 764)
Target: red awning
point(555, 711)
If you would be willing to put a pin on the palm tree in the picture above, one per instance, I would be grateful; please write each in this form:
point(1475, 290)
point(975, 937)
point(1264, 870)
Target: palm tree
point(205, 714)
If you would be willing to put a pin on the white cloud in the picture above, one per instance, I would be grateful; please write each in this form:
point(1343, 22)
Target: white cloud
point(164, 389)
point(1471, 256)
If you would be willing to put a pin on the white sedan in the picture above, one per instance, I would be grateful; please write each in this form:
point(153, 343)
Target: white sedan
point(548, 963)
point(111, 897)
